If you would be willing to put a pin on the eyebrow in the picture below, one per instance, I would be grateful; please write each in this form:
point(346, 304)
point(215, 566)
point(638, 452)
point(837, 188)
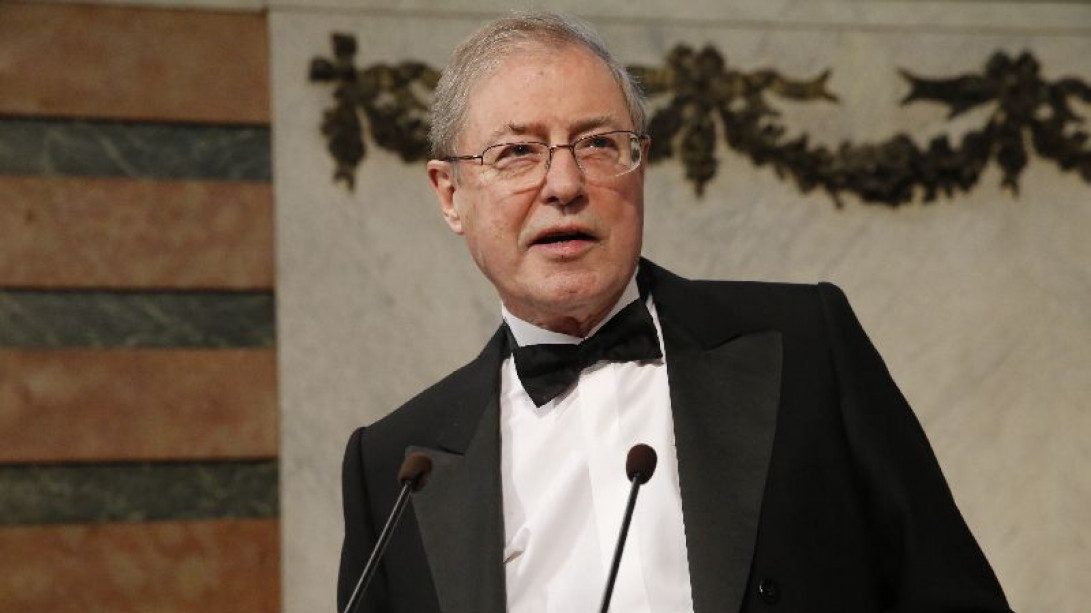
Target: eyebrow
point(518, 129)
point(593, 122)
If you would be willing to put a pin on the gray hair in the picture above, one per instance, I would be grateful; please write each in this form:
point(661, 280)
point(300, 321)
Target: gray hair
point(486, 48)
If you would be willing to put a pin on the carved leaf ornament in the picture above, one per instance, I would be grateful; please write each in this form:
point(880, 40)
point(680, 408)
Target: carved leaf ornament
point(697, 99)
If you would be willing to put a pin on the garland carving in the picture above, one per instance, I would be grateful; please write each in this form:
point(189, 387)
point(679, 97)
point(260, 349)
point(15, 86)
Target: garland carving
point(696, 97)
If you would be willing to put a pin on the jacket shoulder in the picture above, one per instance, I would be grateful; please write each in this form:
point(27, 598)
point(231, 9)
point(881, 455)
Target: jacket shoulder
point(745, 306)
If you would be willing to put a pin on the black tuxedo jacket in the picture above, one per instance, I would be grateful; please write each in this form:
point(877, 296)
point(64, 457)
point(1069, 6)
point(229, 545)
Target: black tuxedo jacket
point(807, 483)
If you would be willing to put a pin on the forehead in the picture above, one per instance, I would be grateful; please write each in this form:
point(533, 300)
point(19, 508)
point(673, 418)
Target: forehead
point(544, 92)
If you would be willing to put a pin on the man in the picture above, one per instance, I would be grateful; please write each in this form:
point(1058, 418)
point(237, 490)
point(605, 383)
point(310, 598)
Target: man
point(791, 472)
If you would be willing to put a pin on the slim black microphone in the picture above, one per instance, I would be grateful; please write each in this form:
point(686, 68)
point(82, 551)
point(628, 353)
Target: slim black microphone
point(413, 475)
point(639, 467)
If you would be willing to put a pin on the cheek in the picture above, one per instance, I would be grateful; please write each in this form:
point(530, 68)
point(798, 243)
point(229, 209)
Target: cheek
point(491, 230)
point(493, 226)
point(631, 223)
point(503, 224)
point(492, 239)
point(626, 215)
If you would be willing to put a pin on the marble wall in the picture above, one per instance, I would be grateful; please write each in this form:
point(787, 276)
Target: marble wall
point(138, 407)
point(977, 302)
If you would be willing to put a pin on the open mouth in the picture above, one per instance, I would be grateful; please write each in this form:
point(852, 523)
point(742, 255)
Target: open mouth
point(562, 237)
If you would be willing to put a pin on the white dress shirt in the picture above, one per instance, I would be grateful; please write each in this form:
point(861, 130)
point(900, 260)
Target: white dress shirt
point(565, 489)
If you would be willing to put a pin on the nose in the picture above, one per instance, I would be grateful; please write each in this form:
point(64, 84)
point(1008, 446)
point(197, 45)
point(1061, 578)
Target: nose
point(564, 181)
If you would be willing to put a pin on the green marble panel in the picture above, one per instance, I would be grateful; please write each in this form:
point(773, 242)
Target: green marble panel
point(99, 319)
point(137, 150)
point(134, 492)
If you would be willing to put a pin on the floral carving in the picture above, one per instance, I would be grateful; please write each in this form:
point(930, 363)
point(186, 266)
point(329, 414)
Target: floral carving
point(698, 98)
point(393, 99)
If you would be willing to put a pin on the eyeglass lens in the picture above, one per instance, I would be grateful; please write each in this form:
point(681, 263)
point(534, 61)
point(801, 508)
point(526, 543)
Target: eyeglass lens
point(599, 156)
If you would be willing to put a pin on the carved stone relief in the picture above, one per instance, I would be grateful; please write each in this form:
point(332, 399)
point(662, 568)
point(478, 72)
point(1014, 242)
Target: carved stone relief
point(697, 98)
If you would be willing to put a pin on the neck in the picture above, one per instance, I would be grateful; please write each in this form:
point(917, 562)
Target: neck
point(576, 325)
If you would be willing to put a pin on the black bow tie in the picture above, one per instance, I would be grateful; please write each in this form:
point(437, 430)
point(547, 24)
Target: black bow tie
point(547, 370)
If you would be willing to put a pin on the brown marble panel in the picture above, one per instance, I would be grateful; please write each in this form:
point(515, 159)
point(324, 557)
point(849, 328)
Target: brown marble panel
point(133, 63)
point(223, 566)
point(121, 233)
point(142, 404)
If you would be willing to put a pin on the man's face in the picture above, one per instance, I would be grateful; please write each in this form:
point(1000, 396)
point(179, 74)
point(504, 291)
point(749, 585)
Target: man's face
point(561, 251)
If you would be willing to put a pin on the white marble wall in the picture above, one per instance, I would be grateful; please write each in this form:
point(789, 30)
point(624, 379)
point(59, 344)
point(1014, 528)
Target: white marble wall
point(979, 304)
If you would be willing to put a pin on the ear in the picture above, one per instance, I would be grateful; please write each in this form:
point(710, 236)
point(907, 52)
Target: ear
point(442, 176)
point(645, 149)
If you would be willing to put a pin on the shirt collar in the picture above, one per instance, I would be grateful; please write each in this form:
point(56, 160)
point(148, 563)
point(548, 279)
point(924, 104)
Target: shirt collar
point(526, 333)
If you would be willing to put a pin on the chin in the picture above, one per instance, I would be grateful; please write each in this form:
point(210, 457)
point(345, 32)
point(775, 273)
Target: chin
point(578, 291)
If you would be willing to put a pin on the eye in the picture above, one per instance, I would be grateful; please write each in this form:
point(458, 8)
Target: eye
point(521, 150)
point(601, 141)
point(599, 149)
point(513, 151)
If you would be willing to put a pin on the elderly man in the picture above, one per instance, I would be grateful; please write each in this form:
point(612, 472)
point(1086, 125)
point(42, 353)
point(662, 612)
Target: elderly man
point(792, 474)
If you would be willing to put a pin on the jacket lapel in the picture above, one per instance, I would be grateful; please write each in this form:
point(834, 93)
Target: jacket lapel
point(460, 513)
point(725, 393)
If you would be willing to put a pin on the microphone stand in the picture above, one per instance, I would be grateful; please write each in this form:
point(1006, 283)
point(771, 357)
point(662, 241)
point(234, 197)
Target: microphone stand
point(413, 474)
point(609, 592)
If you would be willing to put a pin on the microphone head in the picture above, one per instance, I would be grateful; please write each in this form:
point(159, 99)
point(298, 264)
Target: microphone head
point(415, 470)
point(640, 464)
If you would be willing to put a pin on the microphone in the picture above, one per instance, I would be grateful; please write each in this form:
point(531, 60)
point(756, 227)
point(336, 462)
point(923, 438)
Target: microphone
point(413, 475)
point(640, 463)
point(639, 467)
